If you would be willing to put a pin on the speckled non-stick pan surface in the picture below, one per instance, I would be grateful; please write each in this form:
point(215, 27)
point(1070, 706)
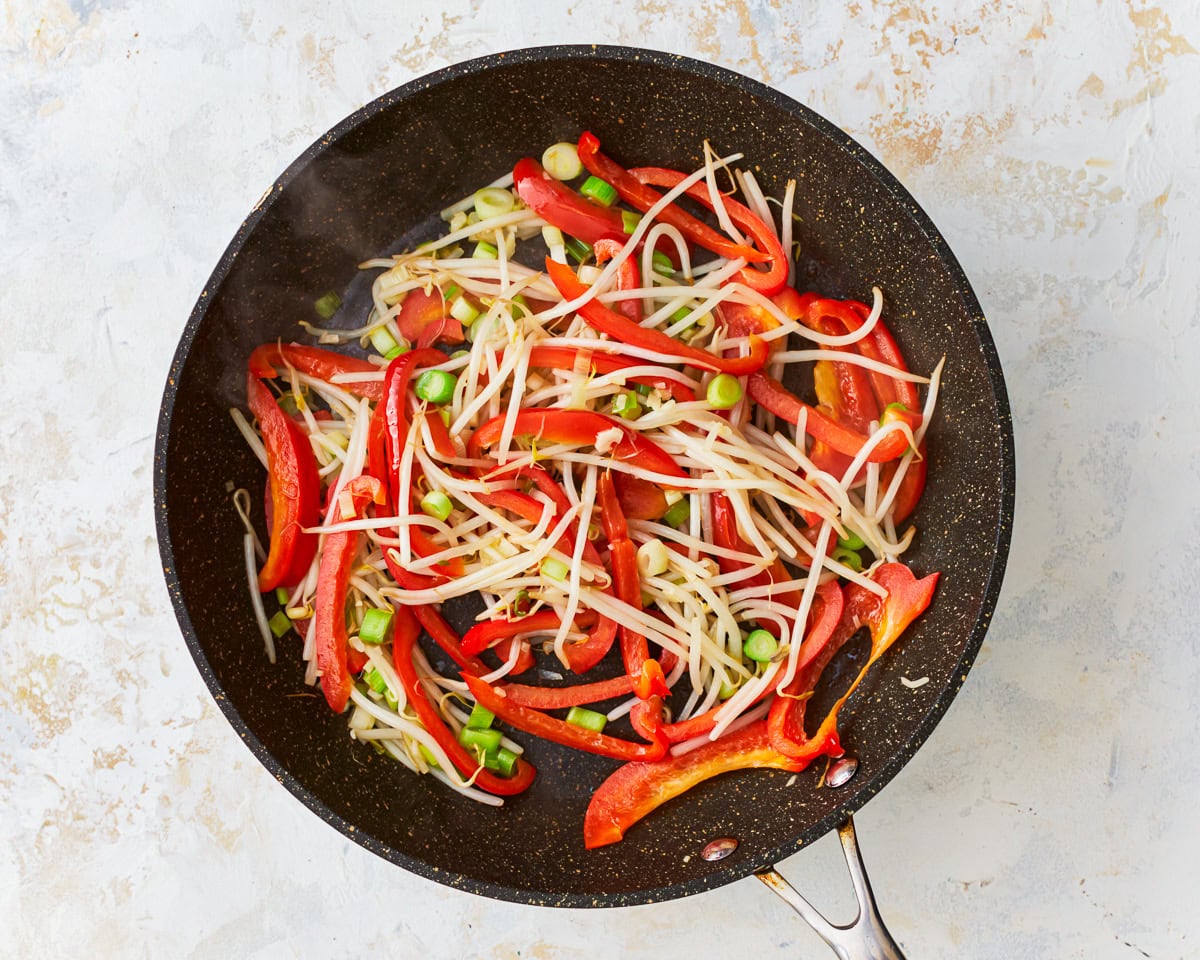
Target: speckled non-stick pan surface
point(374, 184)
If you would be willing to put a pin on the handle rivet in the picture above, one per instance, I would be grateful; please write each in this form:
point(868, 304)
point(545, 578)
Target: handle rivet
point(719, 849)
point(840, 772)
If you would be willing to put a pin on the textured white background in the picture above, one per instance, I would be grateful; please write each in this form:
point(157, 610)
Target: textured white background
point(1053, 812)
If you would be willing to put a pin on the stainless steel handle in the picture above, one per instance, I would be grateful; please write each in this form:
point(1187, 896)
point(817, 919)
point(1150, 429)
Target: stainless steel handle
point(866, 938)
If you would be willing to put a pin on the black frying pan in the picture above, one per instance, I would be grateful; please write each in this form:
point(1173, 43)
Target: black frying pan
point(374, 184)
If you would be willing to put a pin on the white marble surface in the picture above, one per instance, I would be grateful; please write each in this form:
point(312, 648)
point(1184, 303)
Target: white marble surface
point(1053, 812)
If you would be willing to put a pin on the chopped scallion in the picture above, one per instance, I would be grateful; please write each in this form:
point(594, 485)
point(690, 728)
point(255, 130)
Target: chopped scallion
point(678, 513)
point(436, 386)
point(505, 762)
point(561, 161)
point(579, 250)
point(662, 263)
point(486, 251)
point(462, 310)
point(554, 568)
point(437, 505)
point(588, 719)
point(397, 351)
point(852, 541)
point(848, 558)
point(375, 680)
point(481, 718)
point(724, 391)
point(625, 405)
point(383, 341)
point(281, 595)
point(327, 305)
point(376, 625)
point(280, 624)
point(760, 646)
point(603, 192)
point(493, 202)
point(630, 220)
point(487, 739)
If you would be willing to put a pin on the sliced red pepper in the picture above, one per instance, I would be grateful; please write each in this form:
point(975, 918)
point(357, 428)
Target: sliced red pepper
point(638, 194)
point(402, 655)
point(626, 331)
point(525, 658)
point(645, 673)
point(333, 583)
point(483, 635)
point(725, 534)
point(293, 486)
point(563, 358)
point(559, 731)
point(628, 276)
point(270, 359)
point(581, 427)
point(423, 320)
point(887, 617)
point(640, 499)
point(555, 698)
point(636, 789)
point(775, 397)
point(559, 205)
point(446, 637)
point(768, 281)
point(911, 487)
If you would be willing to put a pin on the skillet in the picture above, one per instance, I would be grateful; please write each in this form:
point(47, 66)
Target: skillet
point(374, 184)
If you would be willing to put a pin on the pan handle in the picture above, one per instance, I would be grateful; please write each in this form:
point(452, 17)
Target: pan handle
point(866, 938)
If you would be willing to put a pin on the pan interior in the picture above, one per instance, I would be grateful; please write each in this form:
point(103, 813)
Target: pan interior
point(377, 183)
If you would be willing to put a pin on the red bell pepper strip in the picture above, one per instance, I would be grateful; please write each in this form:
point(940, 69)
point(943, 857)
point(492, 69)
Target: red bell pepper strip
point(482, 635)
point(395, 397)
point(294, 490)
point(911, 487)
point(766, 282)
point(628, 276)
point(580, 427)
point(775, 397)
point(446, 637)
point(268, 360)
point(887, 617)
point(645, 674)
point(559, 205)
point(423, 320)
point(636, 789)
point(626, 331)
point(563, 358)
point(638, 194)
point(333, 582)
point(556, 698)
point(640, 499)
point(559, 731)
point(403, 642)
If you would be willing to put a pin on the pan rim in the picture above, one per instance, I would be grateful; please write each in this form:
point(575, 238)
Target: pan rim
point(738, 867)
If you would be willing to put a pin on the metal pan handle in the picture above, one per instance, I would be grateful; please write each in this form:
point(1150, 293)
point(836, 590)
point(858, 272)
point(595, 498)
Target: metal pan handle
point(866, 938)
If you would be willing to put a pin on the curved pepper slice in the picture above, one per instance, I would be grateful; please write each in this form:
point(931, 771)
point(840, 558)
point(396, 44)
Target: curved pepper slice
point(645, 673)
point(563, 358)
point(482, 635)
point(626, 331)
point(294, 487)
point(638, 194)
point(628, 276)
point(559, 731)
point(423, 320)
point(403, 641)
point(636, 789)
point(559, 205)
point(581, 427)
point(768, 281)
point(268, 360)
point(887, 617)
point(333, 583)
